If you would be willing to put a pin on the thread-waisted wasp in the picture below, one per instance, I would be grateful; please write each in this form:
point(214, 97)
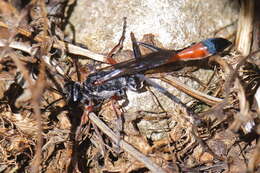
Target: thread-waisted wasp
point(117, 78)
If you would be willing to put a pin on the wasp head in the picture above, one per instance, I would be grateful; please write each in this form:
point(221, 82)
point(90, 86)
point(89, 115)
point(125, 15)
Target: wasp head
point(72, 92)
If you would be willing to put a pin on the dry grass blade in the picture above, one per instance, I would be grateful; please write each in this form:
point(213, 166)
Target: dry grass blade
point(70, 48)
point(243, 117)
point(41, 133)
point(124, 145)
point(37, 92)
point(245, 27)
point(210, 100)
point(16, 45)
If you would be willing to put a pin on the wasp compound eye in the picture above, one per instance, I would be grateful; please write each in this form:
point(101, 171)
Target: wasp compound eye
point(73, 91)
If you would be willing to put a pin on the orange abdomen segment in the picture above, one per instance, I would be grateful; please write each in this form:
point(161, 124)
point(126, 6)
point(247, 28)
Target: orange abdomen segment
point(195, 52)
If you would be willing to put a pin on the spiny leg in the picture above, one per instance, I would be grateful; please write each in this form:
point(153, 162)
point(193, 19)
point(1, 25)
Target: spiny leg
point(119, 121)
point(82, 130)
point(118, 47)
point(119, 113)
point(149, 46)
point(136, 49)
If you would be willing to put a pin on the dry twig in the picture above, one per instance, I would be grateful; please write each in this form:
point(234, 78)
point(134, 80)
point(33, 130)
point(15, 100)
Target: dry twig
point(70, 48)
point(124, 145)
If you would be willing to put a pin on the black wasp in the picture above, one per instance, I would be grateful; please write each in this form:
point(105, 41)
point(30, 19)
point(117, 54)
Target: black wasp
point(116, 79)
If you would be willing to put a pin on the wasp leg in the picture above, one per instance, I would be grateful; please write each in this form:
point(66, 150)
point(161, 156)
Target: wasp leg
point(137, 54)
point(119, 123)
point(149, 46)
point(118, 47)
point(83, 128)
point(136, 49)
point(118, 112)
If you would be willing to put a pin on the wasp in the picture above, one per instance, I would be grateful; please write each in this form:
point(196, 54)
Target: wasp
point(119, 77)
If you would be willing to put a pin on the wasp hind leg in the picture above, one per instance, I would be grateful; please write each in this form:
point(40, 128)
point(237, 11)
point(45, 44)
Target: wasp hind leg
point(136, 49)
point(149, 46)
point(118, 47)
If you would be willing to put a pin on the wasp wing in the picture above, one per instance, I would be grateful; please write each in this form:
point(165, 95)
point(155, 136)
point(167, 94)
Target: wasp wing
point(138, 65)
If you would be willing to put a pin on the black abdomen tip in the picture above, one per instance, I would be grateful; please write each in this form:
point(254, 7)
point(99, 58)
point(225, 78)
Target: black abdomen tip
point(215, 45)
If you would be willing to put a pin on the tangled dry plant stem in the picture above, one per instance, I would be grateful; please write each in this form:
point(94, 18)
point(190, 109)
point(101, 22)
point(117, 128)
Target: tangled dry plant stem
point(124, 145)
point(70, 48)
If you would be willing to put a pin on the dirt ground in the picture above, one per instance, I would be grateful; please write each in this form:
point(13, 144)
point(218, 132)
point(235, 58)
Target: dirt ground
point(58, 115)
